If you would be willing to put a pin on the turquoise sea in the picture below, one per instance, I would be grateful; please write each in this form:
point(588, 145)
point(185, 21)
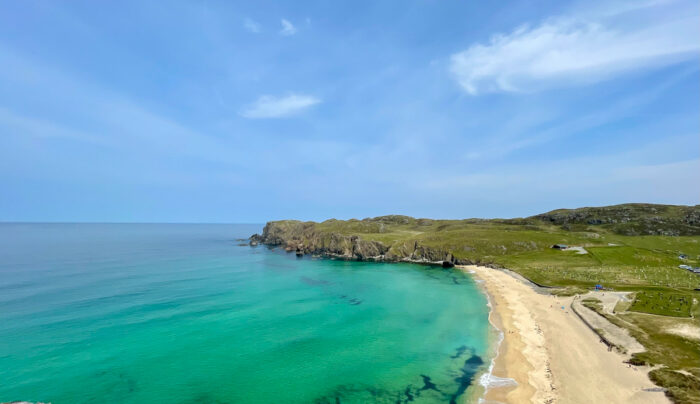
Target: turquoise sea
point(179, 313)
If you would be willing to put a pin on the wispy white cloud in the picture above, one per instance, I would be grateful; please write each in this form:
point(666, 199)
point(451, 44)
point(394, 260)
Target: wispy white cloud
point(582, 48)
point(530, 127)
point(268, 106)
point(252, 26)
point(287, 28)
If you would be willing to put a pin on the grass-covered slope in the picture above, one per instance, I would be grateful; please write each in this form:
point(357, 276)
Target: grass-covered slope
point(633, 247)
point(631, 219)
point(615, 257)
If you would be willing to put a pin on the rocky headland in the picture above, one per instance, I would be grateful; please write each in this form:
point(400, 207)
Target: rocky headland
point(305, 238)
point(398, 238)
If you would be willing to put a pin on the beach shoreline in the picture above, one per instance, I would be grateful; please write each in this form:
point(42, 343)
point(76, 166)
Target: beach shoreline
point(546, 354)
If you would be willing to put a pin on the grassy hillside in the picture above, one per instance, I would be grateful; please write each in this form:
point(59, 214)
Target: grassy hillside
point(612, 257)
point(632, 247)
point(615, 259)
point(631, 219)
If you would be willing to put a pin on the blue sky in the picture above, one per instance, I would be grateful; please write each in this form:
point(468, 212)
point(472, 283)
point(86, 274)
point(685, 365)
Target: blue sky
point(220, 111)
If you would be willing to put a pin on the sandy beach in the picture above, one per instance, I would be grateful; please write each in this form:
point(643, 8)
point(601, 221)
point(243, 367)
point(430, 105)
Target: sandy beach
point(550, 353)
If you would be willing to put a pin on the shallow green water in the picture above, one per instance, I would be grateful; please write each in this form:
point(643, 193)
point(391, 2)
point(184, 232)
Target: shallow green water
point(182, 314)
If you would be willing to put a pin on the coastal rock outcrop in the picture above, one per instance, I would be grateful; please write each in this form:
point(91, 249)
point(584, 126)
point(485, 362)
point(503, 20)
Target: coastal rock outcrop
point(306, 238)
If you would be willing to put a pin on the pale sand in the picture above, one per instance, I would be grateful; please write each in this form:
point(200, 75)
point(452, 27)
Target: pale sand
point(685, 330)
point(551, 353)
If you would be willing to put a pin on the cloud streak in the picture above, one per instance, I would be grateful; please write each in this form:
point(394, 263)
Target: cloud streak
point(252, 26)
point(288, 29)
point(567, 51)
point(268, 106)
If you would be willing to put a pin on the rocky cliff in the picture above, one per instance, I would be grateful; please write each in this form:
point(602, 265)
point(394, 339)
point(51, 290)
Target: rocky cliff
point(306, 238)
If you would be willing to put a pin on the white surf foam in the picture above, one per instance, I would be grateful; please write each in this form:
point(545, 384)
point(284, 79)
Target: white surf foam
point(488, 379)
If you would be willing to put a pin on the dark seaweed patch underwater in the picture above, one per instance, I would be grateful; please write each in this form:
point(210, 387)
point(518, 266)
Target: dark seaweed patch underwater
point(411, 393)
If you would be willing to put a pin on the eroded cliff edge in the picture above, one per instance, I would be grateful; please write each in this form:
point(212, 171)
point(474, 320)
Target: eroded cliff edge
point(306, 238)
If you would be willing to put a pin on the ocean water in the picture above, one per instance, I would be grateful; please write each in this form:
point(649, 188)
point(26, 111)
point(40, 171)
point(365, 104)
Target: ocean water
point(166, 313)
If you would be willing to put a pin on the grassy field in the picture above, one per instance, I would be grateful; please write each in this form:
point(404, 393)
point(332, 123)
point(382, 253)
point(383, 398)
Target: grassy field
point(614, 260)
point(663, 303)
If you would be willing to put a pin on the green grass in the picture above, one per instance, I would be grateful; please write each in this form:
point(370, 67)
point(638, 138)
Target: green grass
point(662, 346)
point(663, 303)
point(593, 304)
point(633, 260)
point(681, 388)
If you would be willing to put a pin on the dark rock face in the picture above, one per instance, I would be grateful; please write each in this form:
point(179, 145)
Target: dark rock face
point(304, 238)
point(447, 264)
point(413, 251)
point(692, 218)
